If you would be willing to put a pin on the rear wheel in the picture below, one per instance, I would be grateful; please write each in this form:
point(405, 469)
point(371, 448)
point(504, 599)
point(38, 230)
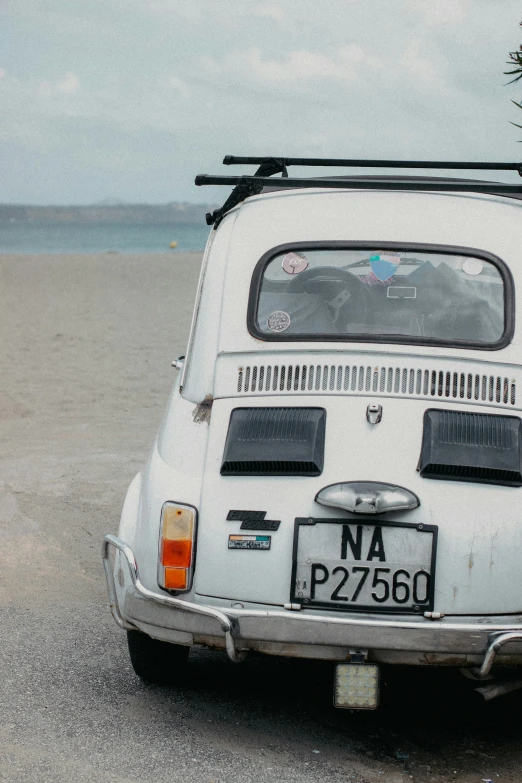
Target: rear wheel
point(155, 661)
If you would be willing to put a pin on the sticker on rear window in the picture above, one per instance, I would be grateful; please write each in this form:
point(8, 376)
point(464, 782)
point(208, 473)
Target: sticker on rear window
point(384, 265)
point(294, 263)
point(278, 321)
point(472, 266)
point(249, 542)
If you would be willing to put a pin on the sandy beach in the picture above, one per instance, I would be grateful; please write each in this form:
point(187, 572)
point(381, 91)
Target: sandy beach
point(86, 350)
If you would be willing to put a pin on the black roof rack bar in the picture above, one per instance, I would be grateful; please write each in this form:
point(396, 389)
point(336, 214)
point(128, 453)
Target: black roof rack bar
point(232, 160)
point(360, 183)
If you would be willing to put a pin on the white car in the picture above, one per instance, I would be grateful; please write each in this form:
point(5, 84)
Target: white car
point(338, 474)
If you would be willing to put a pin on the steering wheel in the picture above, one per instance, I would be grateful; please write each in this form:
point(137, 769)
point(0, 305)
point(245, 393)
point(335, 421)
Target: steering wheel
point(341, 290)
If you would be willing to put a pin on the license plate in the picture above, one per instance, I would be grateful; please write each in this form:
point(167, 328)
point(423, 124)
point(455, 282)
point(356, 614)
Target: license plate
point(365, 566)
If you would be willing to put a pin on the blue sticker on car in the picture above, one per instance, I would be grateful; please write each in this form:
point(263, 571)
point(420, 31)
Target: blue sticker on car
point(384, 265)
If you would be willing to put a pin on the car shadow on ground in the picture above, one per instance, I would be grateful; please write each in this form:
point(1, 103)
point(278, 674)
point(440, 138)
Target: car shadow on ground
point(428, 718)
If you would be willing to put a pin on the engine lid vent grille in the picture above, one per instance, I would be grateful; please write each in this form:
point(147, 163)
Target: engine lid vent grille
point(357, 378)
point(478, 447)
point(275, 442)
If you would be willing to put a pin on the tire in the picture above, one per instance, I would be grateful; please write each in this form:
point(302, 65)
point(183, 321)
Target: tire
point(154, 661)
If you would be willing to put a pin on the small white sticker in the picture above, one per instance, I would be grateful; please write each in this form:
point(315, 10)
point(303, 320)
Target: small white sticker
point(278, 321)
point(294, 263)
point(472, 266)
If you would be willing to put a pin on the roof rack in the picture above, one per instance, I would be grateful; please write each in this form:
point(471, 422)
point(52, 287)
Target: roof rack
point(245, 186)
point(234, 160)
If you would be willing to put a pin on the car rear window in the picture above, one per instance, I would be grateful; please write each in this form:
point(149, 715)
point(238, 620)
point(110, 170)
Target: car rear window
point(382, 293)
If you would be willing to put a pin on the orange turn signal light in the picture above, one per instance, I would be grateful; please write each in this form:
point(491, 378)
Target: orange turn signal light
point(176, 578)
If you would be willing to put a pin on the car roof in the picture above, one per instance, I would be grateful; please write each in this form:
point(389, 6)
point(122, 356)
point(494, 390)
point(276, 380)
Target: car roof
point(453, 181)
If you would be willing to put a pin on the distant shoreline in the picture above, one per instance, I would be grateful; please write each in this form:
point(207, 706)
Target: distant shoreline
point(58, 257)
point(86, 254)
point(132, 233)
point(123, 214)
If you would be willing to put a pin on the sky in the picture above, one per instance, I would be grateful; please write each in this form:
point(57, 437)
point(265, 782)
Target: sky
point(130, 99)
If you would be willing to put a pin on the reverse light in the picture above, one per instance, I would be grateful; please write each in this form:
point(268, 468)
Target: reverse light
point(356, 686)
point(176, 546)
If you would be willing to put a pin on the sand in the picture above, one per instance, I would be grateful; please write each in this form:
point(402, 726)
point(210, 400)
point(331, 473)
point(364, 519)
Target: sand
point(86, 349)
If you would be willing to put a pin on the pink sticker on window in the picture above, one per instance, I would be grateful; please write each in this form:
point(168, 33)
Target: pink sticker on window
point(294, 263)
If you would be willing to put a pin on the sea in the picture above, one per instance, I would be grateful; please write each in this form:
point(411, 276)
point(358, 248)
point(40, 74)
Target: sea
point(21, 237)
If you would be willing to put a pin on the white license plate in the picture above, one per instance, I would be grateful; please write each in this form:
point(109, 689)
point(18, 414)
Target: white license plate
point(376, 566)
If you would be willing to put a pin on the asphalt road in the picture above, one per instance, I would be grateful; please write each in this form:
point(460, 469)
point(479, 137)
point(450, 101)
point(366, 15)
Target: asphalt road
point(85, 355)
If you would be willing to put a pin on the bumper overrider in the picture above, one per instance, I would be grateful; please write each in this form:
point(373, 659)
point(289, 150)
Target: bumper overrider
point(458, 641)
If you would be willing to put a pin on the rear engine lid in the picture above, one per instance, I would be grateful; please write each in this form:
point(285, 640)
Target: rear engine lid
point(247, 543)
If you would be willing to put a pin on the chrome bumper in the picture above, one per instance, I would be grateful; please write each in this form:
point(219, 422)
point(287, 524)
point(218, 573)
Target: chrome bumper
point(226, 623)
point(482, 639)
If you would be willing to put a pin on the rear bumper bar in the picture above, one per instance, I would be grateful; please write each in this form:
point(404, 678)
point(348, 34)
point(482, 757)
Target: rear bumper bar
point(226, 623)
point(479, 639)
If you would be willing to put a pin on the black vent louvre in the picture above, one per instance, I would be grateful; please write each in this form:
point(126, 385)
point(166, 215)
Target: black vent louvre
point(474, 429)
point(476, 447)
point(275, 442)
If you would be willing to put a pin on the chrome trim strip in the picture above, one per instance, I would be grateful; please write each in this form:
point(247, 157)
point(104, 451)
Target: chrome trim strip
point(227, 623)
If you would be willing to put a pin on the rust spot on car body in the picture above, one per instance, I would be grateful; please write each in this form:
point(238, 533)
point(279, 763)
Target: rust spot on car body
point(442, 659)
point(203, 410)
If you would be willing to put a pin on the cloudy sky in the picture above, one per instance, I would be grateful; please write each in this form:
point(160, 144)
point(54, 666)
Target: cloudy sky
point(129, 99)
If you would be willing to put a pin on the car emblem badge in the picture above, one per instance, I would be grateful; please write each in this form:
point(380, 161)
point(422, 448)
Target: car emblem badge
point(253, 520)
